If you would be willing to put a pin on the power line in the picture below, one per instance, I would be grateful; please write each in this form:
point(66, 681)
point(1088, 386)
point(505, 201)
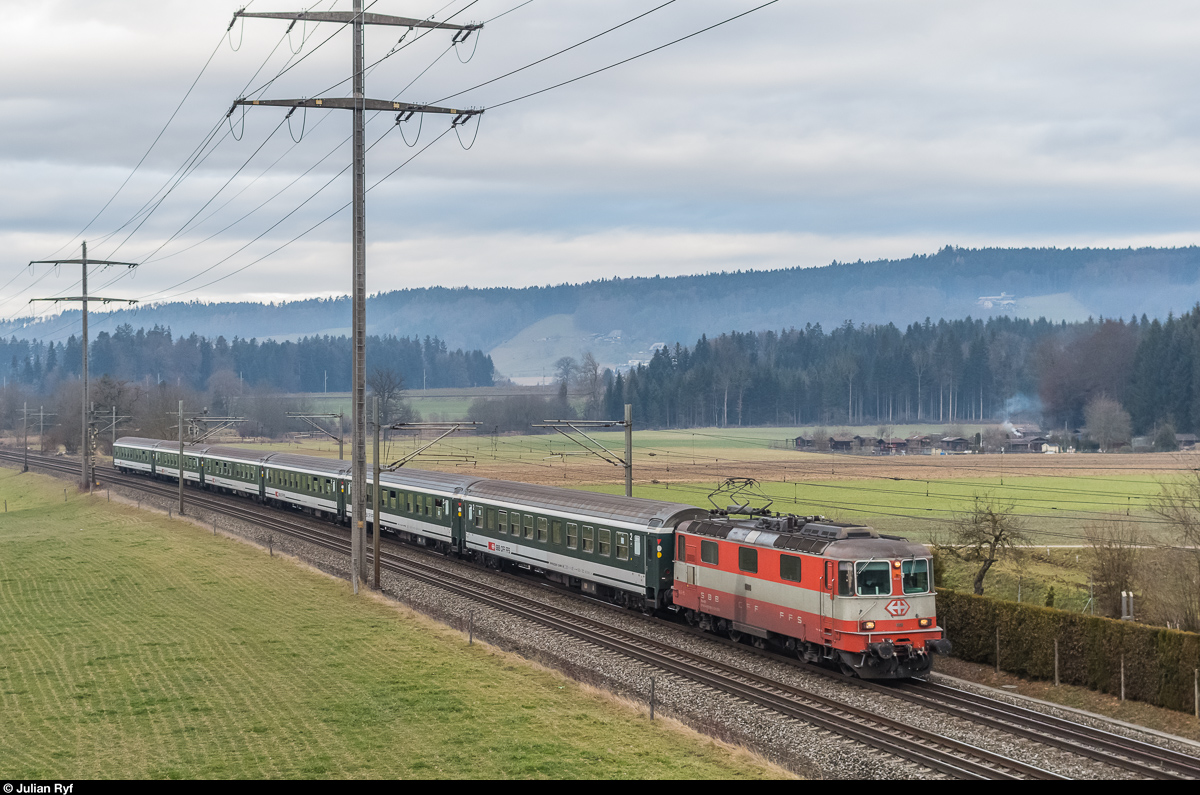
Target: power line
point(150, 149)
point(556, 54)
point(634, 57)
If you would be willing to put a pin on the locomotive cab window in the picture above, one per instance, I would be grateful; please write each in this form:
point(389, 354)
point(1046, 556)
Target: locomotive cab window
point(845, 578)
point(915, 576)
point(709, 552)
point(874, 578)
point(748, 559)
point(789, 568)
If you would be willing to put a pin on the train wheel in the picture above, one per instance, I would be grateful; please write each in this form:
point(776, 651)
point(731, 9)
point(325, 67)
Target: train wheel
point(735, 636)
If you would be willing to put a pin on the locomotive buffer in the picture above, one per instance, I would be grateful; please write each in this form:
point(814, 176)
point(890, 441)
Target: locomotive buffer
point(359, 104)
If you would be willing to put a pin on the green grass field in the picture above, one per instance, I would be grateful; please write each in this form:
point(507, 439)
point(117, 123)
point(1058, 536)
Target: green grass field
point(138, 647)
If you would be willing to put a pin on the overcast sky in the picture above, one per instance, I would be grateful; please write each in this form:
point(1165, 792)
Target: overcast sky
point(804, 133)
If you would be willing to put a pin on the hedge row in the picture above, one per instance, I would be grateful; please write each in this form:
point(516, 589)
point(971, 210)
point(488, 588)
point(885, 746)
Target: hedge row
point(1159, 663)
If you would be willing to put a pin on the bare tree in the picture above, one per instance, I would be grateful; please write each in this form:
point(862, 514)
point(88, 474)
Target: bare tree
point(985, 533)
point(387, 385)
point(1179, 504)
point(1116, 557)
point(565, 369)
point(223, 387)
point(589, 379)
point(1107, 422)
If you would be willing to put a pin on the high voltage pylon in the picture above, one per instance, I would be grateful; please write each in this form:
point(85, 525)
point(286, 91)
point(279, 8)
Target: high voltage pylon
point(359, 104)
point(85, 444)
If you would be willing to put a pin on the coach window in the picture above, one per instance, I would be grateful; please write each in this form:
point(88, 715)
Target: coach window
point(477, 516)
point(556, 532)
point(514, 523)
point(543, 529)
point(572, 535)
point(491, 518)
point(789, 568)
point(605, 542)
point(874, 578)
point(748, 559)
point(709, 552)
point(622, 546)
point(504, 521)
point(428, 505)
point(528, 526)
point(915, 576)
point(589, 538)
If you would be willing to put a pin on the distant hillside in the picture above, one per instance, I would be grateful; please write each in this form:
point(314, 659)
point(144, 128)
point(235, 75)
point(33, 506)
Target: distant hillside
point(620, 320)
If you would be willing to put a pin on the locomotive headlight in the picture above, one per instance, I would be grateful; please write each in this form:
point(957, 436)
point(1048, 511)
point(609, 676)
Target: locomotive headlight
point(923, 622)
point(868, 626)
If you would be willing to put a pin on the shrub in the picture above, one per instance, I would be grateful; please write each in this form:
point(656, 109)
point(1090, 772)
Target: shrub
point(1158, 662)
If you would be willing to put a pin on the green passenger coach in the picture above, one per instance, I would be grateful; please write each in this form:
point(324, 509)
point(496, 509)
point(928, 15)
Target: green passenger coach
point(615, 548)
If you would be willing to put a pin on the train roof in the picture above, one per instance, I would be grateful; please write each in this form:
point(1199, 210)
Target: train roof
point(813, 534)
point(600, 507)
point(330, 467)
point(142, 443)
point(236, 454)
point(427, 480)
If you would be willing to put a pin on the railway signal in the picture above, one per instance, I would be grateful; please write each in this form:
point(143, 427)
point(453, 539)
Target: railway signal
point(359, 104)
point(84, 262)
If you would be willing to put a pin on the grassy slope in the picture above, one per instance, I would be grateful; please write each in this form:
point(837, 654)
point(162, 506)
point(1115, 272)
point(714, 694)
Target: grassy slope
point(139, 647)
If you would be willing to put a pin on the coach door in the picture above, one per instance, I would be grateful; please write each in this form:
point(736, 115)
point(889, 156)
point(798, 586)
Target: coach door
point(829, 586)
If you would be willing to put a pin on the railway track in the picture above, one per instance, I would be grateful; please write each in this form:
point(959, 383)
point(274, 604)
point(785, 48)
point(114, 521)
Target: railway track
point(947, 756)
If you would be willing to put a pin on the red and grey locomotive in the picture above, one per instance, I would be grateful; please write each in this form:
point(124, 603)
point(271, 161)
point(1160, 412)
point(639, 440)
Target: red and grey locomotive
point(827, 591)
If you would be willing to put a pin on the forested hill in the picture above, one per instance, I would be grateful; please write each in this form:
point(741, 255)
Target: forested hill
point(526, 329)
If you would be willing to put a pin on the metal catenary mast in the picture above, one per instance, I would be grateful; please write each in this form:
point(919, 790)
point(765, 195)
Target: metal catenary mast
point(85, 447)
point(359, 104)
